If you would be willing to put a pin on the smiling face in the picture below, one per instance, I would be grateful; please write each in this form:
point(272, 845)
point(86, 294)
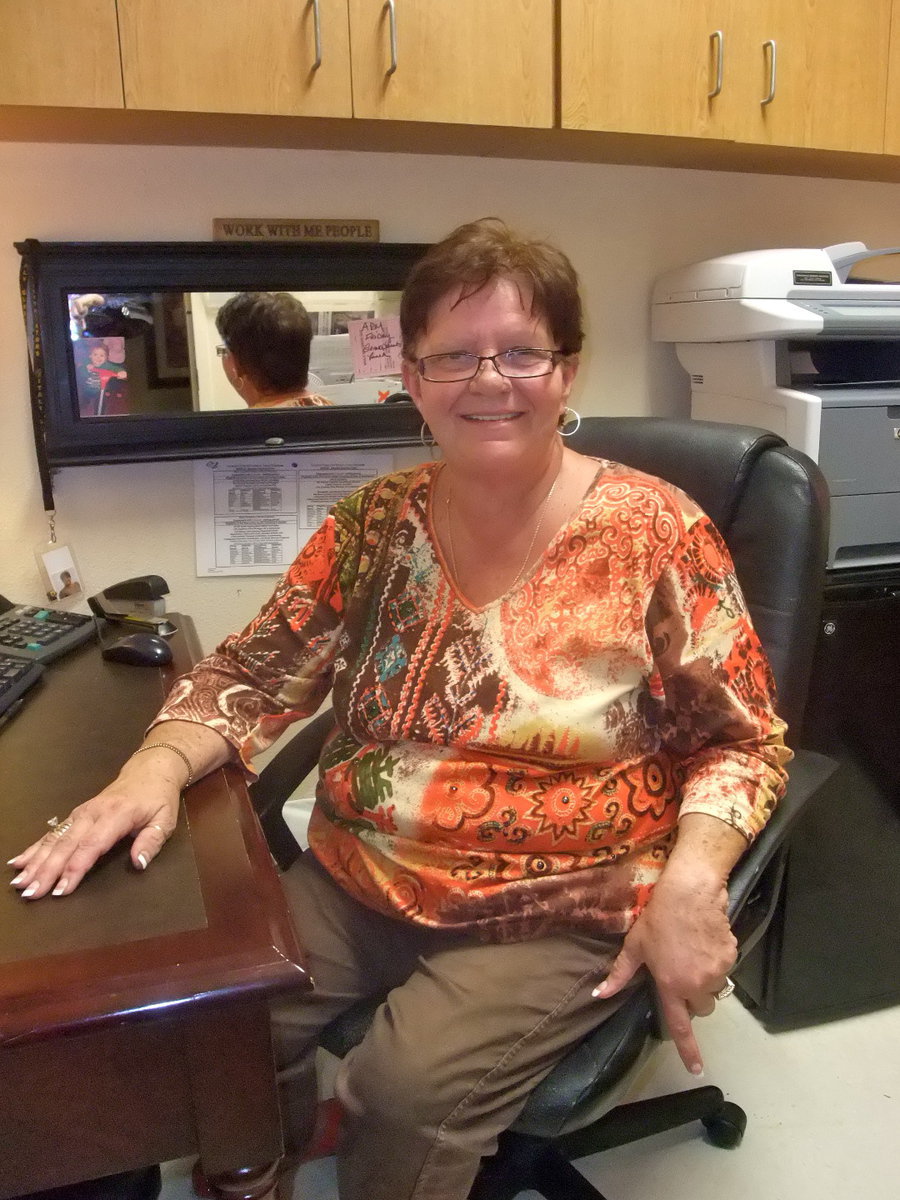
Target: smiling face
point(490, 420)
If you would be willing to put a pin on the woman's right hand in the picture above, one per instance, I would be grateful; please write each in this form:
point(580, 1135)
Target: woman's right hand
point(142, 801)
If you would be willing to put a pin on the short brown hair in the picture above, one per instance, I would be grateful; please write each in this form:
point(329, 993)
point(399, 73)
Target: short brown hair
point(269, 333)
point(477, 253)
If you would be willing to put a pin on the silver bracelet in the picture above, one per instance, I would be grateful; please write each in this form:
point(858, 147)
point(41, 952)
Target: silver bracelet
point(181, 754)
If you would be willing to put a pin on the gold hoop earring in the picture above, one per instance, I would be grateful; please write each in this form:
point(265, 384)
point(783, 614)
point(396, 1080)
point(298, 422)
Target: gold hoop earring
point(565, 419)
point(427, 438)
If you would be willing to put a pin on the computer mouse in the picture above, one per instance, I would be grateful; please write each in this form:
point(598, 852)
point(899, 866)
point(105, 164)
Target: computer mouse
point(140, 650)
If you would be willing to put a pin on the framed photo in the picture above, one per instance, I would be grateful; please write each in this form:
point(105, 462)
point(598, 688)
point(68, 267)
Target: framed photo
point(101, 376)
point(169, 358)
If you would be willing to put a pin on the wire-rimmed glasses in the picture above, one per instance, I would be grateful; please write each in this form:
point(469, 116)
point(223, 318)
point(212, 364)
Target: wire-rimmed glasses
point(523, 362)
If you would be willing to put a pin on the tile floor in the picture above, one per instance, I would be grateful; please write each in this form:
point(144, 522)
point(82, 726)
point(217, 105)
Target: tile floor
point(824, 1120)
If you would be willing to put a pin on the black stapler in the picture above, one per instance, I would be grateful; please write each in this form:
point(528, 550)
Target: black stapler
point(136, 602)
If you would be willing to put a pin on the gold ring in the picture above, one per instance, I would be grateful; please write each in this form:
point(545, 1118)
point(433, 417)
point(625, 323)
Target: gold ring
point(160, 828)
point(53, 822)
point(58, 830)
point(726, 990)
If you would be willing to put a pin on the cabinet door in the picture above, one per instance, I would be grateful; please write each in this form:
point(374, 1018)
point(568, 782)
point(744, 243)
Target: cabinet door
point(237, 56)
point(645, 66)
point(892, 123)
point(828, 87)
point(460, 61)
point(57, 52)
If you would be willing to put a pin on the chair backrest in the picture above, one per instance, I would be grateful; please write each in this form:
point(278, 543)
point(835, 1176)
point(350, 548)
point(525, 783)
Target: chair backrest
point(769, 502)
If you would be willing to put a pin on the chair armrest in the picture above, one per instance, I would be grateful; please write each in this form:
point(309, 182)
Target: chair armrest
point(278, 780)
point(808, 773)
point(755, 885)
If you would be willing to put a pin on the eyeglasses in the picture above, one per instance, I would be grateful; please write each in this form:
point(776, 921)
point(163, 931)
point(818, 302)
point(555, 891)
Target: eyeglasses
point(525, 362)
point(221, 351)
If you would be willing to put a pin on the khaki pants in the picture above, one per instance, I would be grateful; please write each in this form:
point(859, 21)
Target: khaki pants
point(466, 1032)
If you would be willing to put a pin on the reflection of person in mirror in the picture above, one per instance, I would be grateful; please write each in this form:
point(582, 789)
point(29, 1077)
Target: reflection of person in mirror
point(68, 585)
point(267, 336)
point(99, 390)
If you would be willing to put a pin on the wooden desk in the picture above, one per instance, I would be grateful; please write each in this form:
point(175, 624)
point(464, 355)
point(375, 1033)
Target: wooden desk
point(134, 1013)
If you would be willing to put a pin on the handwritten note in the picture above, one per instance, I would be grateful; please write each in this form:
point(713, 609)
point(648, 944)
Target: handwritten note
point(375, 346)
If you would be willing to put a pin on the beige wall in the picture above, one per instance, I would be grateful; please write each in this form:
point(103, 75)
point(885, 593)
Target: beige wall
point(620, 225)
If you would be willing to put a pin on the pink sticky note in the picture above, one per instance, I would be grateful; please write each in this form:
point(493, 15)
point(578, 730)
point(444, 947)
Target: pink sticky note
point(375, 346)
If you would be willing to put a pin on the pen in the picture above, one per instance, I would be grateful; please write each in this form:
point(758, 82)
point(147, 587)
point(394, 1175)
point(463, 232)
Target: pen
point(6, 717)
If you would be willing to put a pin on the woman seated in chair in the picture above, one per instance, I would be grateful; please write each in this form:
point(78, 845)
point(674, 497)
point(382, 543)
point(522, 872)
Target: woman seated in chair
point(554, 738)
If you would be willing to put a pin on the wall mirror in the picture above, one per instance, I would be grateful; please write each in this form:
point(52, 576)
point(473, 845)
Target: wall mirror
point(132, 361)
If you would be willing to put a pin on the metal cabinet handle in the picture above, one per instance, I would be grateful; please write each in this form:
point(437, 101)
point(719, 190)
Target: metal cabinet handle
point(717, 39)
point(770, 46)
point(317, 33)
point(392, 15)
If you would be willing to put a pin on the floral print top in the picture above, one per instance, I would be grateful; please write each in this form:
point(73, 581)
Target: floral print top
point(517, 768)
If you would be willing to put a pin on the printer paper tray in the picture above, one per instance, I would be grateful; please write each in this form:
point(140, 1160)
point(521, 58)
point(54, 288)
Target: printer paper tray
point(865, 530)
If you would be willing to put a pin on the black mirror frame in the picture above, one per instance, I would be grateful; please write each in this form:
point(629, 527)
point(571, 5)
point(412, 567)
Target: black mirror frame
point(57, 269)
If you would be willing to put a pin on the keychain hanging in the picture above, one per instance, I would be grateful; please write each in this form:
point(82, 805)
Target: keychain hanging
point(55, 560)
point(57, 566)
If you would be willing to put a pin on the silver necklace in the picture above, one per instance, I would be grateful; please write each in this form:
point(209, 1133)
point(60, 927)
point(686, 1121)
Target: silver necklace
point(543, 512)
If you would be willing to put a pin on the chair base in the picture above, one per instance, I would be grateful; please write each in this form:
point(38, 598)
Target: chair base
point(524, 1162)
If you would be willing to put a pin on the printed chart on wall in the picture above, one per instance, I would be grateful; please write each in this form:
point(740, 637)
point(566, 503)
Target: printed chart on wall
point(253, 515)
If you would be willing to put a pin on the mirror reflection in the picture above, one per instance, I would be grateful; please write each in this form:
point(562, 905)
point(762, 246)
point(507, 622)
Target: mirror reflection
point(142, 353)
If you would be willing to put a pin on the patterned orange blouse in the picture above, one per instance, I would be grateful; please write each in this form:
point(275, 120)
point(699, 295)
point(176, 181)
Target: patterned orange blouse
point(520, 767)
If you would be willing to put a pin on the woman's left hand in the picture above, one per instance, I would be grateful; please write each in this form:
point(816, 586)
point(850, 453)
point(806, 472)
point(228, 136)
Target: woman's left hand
point(683, 936)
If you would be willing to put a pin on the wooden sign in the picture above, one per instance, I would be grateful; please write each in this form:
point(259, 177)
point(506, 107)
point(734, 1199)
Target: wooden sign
point(294, 229)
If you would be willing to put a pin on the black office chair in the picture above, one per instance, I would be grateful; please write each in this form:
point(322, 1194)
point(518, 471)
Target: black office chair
point(770, 503)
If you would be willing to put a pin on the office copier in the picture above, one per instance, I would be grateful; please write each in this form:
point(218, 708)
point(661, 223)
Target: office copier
point(806, 342)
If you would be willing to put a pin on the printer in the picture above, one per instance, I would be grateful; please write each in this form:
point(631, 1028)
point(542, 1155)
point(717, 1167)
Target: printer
point(805, 343)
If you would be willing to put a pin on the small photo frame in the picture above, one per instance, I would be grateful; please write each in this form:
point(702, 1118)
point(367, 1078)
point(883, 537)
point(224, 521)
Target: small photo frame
point(62, 579)
point(101, 377)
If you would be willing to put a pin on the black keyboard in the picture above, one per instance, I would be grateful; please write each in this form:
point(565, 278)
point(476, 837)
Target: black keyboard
point(16, 677)
point(42, 634)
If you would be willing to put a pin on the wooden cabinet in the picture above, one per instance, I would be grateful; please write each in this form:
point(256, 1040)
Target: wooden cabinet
point(445, 60)
point(810, 74)
point(806, 73)
point(829, 82)
point(892, 122)
point(281, 57)
point(641, 66)
point(457, 61)
point(59, 53)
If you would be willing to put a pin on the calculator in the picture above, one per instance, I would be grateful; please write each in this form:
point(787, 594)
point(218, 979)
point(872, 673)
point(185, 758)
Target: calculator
point(16, 677)
point(40, 634)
